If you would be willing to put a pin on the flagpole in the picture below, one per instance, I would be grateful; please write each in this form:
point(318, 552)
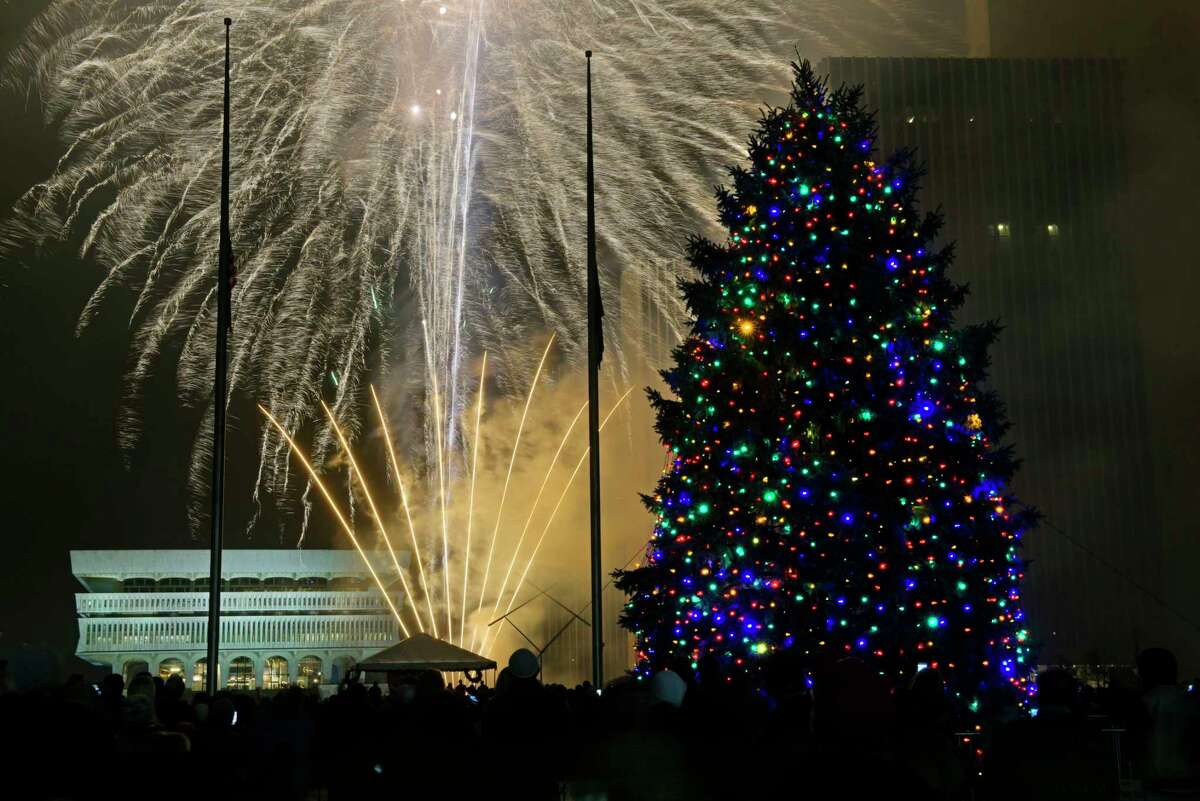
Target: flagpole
point(224, 257)
point(595, 352)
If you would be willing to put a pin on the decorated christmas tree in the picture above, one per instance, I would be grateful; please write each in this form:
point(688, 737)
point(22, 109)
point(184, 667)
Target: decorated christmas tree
point(836, 483)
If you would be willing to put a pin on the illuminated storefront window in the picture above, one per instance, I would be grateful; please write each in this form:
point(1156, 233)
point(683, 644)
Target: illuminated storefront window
point(275, 673)
point(309, 672)
point(170, 667)
point(241, 674)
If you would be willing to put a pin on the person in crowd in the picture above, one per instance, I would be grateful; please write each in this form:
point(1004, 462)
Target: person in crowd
point(854, 720)
point(831, 730)
point(112, 700)
point(787, 735)
point(523, 726)
point(1170, 725)
point(648, 750)
point(173, 712)
point(932, 763)
point(1056, 753)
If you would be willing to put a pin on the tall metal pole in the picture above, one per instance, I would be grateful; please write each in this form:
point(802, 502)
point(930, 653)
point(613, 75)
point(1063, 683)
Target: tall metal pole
point(224, 288)
point(595, 352)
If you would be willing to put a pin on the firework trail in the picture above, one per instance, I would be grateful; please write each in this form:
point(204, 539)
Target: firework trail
point(407, 181)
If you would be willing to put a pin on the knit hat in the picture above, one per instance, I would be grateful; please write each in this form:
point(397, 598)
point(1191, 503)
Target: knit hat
point(523, 664)
point(667, 687)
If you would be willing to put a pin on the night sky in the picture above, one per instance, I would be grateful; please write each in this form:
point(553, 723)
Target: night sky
point(68, 485)
point(68, 482)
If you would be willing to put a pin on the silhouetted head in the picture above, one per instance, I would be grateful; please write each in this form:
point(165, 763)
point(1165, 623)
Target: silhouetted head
point(174, 686)
point(927, 686)
point(430, 683)
point(75, 691)
point(1156, 667)
point(112, 685)
point(681, 666)
point(523, 664)
point(143, 685)
point(220, 713)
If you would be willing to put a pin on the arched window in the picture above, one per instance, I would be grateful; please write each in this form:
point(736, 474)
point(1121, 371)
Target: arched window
point(201, 584)
point(200, 673)
point(245, 584)
point(133, 667)
point(275, 673)
point(309, 671)
point(241, 674)
point(170, 667)
point(174, 584)
point(139, 585)
point(346, 584)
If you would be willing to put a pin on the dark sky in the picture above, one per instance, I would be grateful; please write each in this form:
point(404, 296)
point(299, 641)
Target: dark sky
point(68, 485)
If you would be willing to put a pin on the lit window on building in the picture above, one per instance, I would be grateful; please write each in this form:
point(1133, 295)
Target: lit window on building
point(241, 674)
point(1002, 229)
point(170, 667)
point(1052, 230)
point(199, 674)
point(275, 673)
point(308, 673)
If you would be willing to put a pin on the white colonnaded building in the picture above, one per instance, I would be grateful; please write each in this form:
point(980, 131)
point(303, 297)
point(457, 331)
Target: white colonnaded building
point(288, 616)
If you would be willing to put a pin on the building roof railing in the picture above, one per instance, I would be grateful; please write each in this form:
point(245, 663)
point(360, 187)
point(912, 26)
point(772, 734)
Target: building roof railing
point(296, 563)
point(100, 604)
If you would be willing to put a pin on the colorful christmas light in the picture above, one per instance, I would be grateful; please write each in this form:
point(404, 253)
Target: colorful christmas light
point(835, 484)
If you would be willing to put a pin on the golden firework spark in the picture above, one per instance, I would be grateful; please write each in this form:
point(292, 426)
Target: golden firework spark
point(462, 624)
point(379, 524)
point(508, 478)
point(486, 639)
point(383, 423)
point(536, 501)
point(316, 479)
point(537, 546)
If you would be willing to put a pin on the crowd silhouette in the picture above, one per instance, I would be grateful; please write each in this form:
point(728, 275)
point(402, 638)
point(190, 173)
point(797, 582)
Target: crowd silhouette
point(683, 734)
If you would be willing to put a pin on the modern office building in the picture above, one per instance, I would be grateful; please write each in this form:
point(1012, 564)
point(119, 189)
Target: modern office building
point(288, 616)
point(1027, 159)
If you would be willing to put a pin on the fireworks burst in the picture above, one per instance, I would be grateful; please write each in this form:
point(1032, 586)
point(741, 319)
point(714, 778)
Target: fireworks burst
point(407, 183)
point(456, 557)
